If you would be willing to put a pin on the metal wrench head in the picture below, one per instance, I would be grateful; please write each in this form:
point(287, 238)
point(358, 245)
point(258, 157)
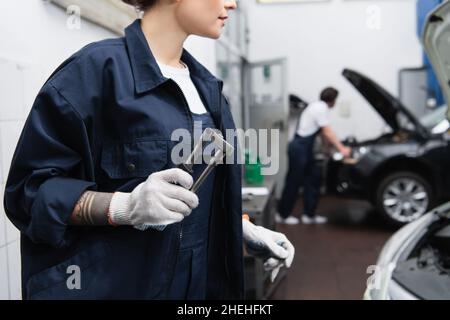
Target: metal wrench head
point(208, 135)
point(221, 147)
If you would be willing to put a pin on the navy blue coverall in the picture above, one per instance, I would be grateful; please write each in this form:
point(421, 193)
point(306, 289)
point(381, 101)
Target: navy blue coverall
point(103, 122)
point(303, 171)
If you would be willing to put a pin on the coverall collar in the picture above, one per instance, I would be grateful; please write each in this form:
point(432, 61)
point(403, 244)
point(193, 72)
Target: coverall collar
point(146, 72)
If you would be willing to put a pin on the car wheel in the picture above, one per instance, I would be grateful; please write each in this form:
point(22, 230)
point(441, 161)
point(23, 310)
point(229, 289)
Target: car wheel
point(403, 197)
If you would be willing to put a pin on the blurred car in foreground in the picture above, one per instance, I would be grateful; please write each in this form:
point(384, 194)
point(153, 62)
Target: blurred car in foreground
point(415, 262)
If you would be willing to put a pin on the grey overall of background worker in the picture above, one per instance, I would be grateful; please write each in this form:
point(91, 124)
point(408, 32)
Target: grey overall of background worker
point(92, 181)
point(303, 170)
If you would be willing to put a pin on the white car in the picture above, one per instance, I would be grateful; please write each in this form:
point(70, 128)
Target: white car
point(415, 263)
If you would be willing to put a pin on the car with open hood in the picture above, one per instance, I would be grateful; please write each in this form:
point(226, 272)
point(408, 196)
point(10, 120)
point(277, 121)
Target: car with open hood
point(405, 172)
point(415, 263)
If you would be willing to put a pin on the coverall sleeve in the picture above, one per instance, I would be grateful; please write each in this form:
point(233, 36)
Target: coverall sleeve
point(50, 170)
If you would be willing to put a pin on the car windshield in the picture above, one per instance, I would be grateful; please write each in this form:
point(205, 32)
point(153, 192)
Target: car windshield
point(436, 120)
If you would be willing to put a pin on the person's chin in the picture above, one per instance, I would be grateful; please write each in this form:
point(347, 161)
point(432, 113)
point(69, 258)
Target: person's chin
point(213, 34)
point(216, 36)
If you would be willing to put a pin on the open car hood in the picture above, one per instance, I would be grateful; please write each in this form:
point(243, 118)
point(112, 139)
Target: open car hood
point(436, 40)
point(387, 106)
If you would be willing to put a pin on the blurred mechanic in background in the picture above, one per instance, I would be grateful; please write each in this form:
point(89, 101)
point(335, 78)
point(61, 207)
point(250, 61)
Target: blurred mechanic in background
point(303, 170)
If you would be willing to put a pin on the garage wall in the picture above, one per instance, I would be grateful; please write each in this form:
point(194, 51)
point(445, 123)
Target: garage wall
point(375, 37)
point(35, 40)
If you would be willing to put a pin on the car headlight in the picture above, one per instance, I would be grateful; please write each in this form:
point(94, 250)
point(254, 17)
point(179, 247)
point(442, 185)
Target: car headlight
point(357, 154)
point(337, 156)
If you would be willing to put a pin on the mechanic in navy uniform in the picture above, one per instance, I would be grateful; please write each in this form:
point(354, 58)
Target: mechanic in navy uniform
point(303, 170)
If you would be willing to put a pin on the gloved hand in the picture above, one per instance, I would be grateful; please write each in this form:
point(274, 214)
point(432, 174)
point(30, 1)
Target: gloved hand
point(273, 247)
point(156, 202)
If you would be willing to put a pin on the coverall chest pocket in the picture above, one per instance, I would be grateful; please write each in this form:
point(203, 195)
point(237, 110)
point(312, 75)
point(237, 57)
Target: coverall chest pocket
point(138, 158)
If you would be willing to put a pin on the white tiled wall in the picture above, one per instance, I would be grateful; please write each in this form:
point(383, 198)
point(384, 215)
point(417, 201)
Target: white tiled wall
point(15, 100)
point(9, 257)
point(2, 223)
point(10, 267)
point(12, 115)
point(14, 270)
point(4, 283)
point(17, 84)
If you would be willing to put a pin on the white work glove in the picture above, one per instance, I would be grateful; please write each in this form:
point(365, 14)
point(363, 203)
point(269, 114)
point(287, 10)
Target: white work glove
point(273, 247)
point(157, 202)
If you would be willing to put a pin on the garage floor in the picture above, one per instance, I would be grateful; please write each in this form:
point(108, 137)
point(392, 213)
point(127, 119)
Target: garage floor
point(331, 260)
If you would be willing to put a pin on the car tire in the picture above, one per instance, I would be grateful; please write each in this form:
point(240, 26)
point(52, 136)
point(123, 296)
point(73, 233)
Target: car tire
point(397, 204)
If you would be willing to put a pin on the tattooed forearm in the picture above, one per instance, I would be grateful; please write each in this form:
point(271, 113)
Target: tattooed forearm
point(91, 209)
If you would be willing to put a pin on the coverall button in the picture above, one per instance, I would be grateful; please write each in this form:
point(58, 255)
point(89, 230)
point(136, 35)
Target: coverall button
point(131, 167)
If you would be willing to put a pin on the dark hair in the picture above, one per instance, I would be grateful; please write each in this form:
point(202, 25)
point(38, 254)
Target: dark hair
point(329, 95)
point(141, 4)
